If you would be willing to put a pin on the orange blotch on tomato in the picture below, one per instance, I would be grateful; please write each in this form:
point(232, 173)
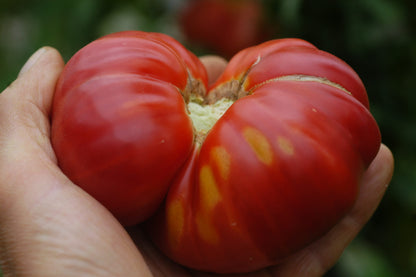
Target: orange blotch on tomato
point(259, 144)
point(222, 159)
point(206, 229)
point(208, 189)
point(175, 215)
point(209, 196)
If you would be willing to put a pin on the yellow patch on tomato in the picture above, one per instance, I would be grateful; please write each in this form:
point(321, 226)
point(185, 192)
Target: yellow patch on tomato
point(222, 160)
point(209, 194)
point(285, 145)
point(175, 219)
point(206, 229)
point(259, 144)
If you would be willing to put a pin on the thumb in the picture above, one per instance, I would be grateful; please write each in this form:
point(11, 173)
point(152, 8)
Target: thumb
point(32, 60)
point(26, 103)
point(37, 78)
point(24, 123)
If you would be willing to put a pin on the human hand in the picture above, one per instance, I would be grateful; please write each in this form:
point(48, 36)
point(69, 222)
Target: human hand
point(50, 227)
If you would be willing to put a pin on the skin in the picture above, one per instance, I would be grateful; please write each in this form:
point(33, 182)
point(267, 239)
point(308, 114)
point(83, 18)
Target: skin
point(50, 227)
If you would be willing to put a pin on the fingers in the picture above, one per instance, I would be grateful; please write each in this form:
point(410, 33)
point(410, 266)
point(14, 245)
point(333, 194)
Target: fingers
point(319, 257)
point(374, 185)
point(214, 65)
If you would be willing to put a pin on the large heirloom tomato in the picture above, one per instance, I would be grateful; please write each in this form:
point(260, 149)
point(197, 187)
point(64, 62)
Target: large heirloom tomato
point(235, 177)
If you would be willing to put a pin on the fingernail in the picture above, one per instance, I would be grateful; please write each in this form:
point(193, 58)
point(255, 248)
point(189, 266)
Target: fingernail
point(32, 60)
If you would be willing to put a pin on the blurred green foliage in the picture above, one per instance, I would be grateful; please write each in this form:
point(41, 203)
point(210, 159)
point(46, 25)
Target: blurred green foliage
point(376, 37)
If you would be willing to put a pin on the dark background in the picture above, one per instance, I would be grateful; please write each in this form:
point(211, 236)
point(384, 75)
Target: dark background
point(376, 37)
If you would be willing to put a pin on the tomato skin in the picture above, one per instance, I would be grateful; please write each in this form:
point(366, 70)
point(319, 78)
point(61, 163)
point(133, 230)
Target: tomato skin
point(277, 171)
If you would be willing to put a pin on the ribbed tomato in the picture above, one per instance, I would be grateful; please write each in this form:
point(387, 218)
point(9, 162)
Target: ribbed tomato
point(244, 173)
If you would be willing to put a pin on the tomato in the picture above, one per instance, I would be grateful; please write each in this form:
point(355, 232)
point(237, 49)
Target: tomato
point(230, 178)
point(224, 26)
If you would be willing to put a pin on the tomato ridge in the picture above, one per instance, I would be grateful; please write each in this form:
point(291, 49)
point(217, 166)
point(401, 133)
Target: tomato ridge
point(302, 78)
